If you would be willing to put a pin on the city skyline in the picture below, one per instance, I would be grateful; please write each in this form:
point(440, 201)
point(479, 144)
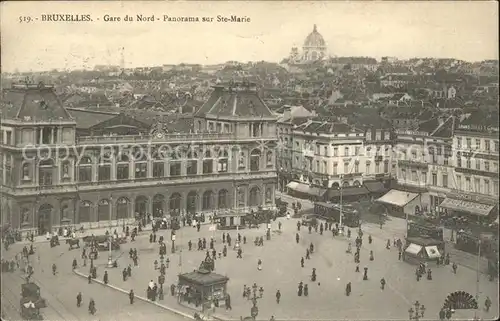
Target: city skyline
point(461, 30)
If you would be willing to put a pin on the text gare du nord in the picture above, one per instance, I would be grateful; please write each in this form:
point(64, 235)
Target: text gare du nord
point(143, 18)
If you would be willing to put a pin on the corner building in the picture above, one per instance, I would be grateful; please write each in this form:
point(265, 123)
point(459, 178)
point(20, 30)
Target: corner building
point(63, 166)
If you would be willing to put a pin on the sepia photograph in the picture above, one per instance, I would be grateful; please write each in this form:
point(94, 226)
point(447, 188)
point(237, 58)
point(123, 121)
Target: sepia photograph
point(249, 160)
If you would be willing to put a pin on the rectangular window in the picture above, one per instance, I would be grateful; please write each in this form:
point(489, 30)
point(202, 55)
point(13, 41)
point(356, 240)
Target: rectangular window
point(356, 167)
point(325, 151)
point(175, 168)
point(445, 180)
point(487, 145)
point(468, 186)
point(158, 169)
point(104, 173)
point(356, 151)
point(141, 170)
point(495, 167)
point(459, 182)
point(403, 173)
point(486, 187)
point(85, 173)
point(478, 144)
point(386, 167)
point(222, 165)
point(478, 164)
point(335, 168)
point(477, 185)
point(439, 150)
point(423, 178)
point(346, 168)
point(459, 143)
point(495, 187)
point(468, 163)
point(368, 165)
point(192, 167)
point(468, 143)
point(122, 171)
point(317, 166)
point(335, 152)
point(487, 165)
point(346, 151)
point(325, 167)
point(496, 145)
point(434, 179)
point(414, 177)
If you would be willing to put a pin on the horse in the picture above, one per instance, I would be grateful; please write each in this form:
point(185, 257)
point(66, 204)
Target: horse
point(72, 242)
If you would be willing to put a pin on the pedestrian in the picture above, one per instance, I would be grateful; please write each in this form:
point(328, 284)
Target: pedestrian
point(348, 289)
point(79, 299)
point(371, 256)
point(487, 304)
point(239, 255)
point(297, 238)
point(224, 251)
point(370, 240)
point(92, 308)
point(308, 257)
point(131, 296)
point(54, 269)
point(306, 290)
point(365, 275)
point(301, 287)
point(302, 262)
point(441, 314)
point(279, 225)
point(105, 277)
point(124, 274)
point(311, 248)
point(228, 302)
point(388, 245)
point(190, 245)
point(154, 237)
point(399, 256)
point(429, 274)
point(151, 238)
point(278, 296)
point(244, 240)
point(129, 271)
point(357, 268)
point(259, 265)
point(74, 264)
point(313, 275)
point(89, 278)
point(382, 283)
point(172, 289)
point(454, 267)
point(348, 233)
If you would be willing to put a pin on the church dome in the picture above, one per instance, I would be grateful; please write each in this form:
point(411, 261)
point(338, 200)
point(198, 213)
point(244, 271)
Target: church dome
point(314, 39)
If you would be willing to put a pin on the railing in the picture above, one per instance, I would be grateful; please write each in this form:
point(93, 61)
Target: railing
point(165, 138)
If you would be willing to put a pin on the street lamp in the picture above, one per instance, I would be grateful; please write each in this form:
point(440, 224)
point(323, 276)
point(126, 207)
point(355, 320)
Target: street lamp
point(173, 241)
point(418, 312)
point(254, 311)
point(341, 196)
point(110, 236)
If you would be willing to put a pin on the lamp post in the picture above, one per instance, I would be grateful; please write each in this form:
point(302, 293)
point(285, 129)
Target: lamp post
point(341, 195)
point(418, 312)
point(110, 238)
point(257, 293)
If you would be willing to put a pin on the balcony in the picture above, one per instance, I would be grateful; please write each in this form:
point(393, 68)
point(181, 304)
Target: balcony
point(413, 164)
point(179, 137)
point(139, 182)
point(476, 172)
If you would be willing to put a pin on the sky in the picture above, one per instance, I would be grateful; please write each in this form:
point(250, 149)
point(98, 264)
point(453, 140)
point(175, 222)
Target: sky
point(466, 30)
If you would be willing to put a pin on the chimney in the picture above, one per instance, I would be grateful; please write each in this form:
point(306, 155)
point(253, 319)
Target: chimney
point(287, 112)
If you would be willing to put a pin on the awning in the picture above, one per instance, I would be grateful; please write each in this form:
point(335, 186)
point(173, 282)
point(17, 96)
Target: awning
point(347, 191)
point(466, 206)
point(375, 187)
point(306, 189)
point(413, 249)
point(397, 198)
point(432, 252)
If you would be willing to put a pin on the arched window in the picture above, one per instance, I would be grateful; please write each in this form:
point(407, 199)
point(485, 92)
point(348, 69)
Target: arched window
point(158, 164)
point(175, 164)
point(104, 173)
point(85, 169)
point(122, 208)
point(46, 171)
point(223, 161)
point(84, 211)
point(192, 163)
point(140, 163)
point(191, 202)
point(208, 198)
point(103, 210)
point(345, 184)
point(254, 197)
point(255, 160)
point(208, 162)
point(26, 172)
point(122, 166)
point(222, 199)
point(356, 183)
point(141, 205)
point(175, 204)
point(269, 159)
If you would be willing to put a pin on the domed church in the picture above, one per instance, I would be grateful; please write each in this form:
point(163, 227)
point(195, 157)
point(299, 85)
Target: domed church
point(314, 49)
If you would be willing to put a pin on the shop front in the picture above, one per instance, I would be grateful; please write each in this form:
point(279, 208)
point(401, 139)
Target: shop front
point(470, 212)
point(202, 288)
point(402, 204)
point(420, 250)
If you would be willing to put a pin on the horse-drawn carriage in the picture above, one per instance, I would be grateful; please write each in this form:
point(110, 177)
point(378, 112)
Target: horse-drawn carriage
point(101, 242)
point(31, 302)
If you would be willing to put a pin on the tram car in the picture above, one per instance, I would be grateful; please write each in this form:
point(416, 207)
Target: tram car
point(331, 213)
point(31, 302)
